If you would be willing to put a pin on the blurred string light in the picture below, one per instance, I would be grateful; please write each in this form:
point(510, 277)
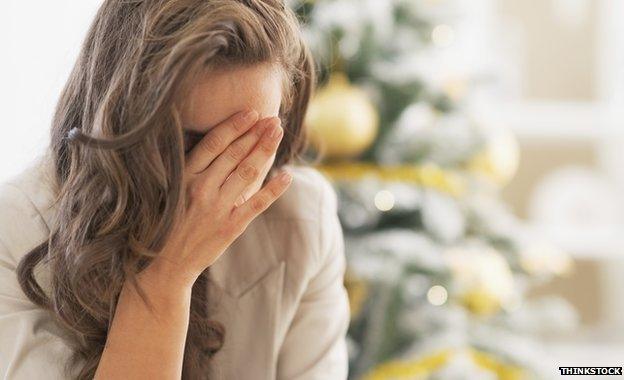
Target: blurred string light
point(384, 200)
point(437, 295)
point(443, 35)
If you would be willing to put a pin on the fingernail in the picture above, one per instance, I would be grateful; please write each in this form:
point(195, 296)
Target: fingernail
point(285, 177)
point(276, 132)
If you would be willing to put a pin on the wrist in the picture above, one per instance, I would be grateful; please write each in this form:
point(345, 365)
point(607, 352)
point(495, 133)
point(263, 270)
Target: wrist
point(154, 299)
point(163, 279)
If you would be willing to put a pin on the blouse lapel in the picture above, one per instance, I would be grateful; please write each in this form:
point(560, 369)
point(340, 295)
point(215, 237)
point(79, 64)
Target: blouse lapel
point(249, 278)
point(246, 261)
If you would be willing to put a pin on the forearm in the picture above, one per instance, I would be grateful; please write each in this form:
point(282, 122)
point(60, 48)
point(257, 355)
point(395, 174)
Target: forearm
point(146, 343)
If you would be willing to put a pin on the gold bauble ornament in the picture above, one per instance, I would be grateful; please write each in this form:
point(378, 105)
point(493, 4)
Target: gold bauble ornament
point(500, 158)
point(481, 302)
point(342, 120)
point(483, 278)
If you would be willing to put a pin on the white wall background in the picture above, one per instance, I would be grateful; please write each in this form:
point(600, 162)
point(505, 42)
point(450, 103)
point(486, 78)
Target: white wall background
point(39, 42)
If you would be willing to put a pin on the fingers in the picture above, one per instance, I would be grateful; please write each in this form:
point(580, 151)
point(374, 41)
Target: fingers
point(218, 172)
point(249, 169)
point(218, 139)
point(262, 199)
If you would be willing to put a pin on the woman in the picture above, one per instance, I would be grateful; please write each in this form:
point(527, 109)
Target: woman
point(156, 239)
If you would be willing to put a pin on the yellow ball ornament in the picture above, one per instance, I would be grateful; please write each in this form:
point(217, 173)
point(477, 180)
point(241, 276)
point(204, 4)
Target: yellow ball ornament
point(481, 302)
point(500, 158)
point(342, 120)
point(483, 278)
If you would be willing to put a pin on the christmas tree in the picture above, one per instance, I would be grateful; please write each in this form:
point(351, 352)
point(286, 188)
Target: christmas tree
point(438, 266)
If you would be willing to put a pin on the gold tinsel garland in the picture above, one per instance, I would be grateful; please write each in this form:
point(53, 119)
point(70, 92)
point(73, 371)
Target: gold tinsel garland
point(425, 366)
point(427, 175)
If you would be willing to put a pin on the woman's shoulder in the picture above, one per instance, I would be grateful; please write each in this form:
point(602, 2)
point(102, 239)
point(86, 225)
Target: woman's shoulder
point(309, 196)
point(25, 200)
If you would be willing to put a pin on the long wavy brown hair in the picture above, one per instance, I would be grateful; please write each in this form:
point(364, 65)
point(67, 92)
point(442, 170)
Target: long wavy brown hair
point(117, 146)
